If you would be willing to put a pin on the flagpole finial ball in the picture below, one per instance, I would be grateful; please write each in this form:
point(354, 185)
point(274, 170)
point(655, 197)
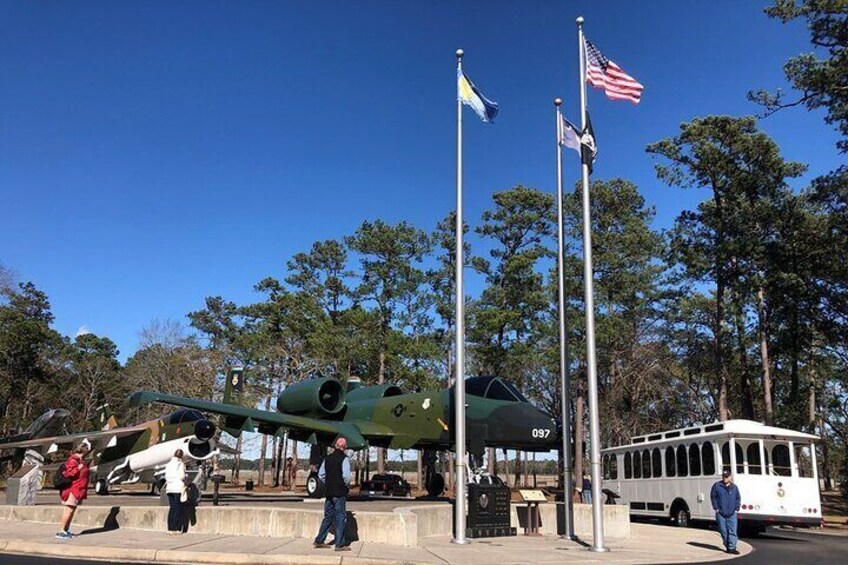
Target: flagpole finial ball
point(459, 53)
point(557, 101)
point(579, 20)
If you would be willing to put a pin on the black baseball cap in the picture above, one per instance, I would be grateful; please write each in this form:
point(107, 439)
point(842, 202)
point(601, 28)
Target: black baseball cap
point(725, 473)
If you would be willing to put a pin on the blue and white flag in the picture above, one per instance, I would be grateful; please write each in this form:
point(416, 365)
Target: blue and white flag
point(569, 135)
point(470, 96)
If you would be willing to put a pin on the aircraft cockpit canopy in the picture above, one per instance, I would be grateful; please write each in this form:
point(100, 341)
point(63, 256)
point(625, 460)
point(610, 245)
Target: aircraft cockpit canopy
point(184, 415)
point(493, 388)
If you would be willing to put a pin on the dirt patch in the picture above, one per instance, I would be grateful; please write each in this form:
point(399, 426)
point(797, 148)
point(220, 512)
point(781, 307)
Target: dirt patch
point(834, 507)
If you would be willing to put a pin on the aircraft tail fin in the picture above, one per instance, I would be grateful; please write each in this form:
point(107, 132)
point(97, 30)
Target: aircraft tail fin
point(233, 385)
point(103, 418)
point(232, 395)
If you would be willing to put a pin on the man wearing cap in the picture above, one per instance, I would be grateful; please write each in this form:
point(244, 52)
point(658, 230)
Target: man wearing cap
point(726, 500)
point(335, 474)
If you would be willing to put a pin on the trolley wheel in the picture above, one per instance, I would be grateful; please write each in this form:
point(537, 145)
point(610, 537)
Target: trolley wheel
point(680, 515)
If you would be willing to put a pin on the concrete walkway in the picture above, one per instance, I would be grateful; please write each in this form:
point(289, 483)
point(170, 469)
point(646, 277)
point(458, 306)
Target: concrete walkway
point(648, 544)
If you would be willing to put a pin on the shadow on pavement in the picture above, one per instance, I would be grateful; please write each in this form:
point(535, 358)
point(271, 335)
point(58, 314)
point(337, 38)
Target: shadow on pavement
point(705, 546)
point(109, 524)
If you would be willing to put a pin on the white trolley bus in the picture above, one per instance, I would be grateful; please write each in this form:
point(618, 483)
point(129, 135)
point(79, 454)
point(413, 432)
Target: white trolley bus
point(670, 474)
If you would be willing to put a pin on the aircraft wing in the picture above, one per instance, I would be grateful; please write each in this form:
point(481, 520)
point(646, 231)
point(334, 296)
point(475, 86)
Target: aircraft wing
point(226, 449)
point(98, 440)
point(263, 421)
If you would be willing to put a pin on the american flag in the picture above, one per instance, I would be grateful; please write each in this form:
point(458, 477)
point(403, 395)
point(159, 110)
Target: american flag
point(609, 77)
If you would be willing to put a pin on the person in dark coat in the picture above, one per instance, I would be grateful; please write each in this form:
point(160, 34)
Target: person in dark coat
point(726, 500)
point(587, 489)
point(335, 474)
point(76, 469)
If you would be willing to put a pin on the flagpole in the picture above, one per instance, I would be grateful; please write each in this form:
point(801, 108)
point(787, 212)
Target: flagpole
point(459, 380)
point(591, 370)
point(564, 378)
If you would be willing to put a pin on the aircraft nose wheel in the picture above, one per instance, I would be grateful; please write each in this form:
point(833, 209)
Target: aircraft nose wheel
point(314, 486)
point(436, 485)
point(101, 487)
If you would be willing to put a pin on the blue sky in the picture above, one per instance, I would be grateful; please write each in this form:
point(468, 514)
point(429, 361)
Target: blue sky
point(155, 153)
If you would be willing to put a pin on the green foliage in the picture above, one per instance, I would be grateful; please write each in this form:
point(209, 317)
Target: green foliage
point(821, 81)
point(29, 350)
point(511, 305)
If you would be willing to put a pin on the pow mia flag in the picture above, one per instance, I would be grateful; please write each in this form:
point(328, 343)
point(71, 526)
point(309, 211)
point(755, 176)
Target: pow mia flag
point(582, 142)
point(588, 148)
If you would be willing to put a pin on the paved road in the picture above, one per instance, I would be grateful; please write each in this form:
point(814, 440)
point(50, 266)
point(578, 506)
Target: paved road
point(9, 559)
point(774, 548)
point(778, 547)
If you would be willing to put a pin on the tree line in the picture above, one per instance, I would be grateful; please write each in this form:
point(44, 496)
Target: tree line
point(739, 310)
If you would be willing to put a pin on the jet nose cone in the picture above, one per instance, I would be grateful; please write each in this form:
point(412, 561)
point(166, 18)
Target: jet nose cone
point(204, 429)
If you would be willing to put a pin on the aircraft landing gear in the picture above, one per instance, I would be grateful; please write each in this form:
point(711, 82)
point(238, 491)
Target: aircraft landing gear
point(434, 482)
point(314, 486)
point(101, 487)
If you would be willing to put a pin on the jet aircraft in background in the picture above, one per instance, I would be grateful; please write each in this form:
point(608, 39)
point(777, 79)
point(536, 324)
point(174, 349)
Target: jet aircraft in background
point(320, 410)
point(121, 455)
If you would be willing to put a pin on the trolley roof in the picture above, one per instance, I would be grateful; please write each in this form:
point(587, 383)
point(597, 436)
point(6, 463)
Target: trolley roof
point(729, 427)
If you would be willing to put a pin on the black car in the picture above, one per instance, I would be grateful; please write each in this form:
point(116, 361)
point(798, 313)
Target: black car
point(386, 484)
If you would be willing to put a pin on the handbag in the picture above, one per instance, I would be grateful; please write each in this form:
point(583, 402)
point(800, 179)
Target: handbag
point(184, 495)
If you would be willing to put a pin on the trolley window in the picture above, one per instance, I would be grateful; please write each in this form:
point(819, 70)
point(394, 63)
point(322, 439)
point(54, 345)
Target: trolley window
point(804, 460)
point(628, 466)
point(694, 460)
point(656, 462)
point(725, 456)
point(637, 465)
point(708, 458)
point(740, 458)
point(682, 462)
point(780, 457)
point(755, 466)
point(646, 464)
point(669, 462)
point(614, 467)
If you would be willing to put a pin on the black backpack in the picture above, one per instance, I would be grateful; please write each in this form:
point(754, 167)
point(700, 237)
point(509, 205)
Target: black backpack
point(60, 481)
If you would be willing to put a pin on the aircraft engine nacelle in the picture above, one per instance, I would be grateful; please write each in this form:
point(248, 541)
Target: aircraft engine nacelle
point(158, 455)
point(314, 396)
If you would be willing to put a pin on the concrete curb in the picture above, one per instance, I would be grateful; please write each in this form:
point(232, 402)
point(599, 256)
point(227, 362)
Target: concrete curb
point(109, 554)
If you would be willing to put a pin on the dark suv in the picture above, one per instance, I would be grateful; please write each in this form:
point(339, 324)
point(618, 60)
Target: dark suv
point(386, 484)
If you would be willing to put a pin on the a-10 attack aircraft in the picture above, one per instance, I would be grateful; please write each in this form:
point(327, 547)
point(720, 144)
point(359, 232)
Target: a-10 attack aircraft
point(120, 455)
point(320, 410)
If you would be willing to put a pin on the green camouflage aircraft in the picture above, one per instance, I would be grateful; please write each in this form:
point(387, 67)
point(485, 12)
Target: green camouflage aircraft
point(320, 410)
point(119, 455)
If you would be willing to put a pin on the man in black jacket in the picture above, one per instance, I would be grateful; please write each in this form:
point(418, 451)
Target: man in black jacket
point(335, 474)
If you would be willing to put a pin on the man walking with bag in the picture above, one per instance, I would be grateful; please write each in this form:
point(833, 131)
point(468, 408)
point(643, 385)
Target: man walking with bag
point(335, 474)
point(726, 500)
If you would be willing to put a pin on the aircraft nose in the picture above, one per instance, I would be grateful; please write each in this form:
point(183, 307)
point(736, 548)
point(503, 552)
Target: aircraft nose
point(204, 429)
point(523, 425)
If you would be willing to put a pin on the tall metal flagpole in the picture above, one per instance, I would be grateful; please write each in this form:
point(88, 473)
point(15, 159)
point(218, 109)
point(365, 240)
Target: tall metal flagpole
point(594, 427)
point(564, 378)
point(459, 380)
